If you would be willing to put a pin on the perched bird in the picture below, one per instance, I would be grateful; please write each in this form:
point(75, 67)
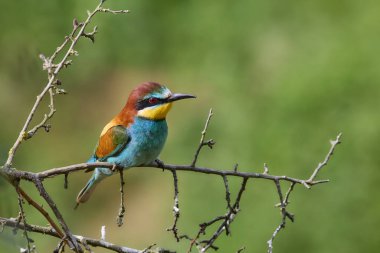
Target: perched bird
point(136, 135)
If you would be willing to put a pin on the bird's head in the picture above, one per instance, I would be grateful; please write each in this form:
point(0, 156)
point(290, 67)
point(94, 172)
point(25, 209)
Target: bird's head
point(152, 100)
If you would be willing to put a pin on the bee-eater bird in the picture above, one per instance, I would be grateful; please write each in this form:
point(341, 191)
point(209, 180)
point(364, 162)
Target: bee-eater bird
point(136, 135)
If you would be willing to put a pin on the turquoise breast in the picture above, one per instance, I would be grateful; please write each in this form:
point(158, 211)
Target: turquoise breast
point(147, 140)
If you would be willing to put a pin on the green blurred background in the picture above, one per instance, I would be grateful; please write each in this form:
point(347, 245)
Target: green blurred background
point(283, 77)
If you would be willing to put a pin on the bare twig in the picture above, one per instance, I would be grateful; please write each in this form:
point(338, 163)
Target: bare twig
point(176, 211)
point(193, 240)
point(228, 218)
point(43, 124)
point(41, 210)
point(228, 194)
point(210, 143)
point(147, 249)
point(23, 218)
point(120, 216)
point(114, 11)
point(284, 213)
point(240, 250)
point(333, 143)
point(72, 242)
point(287, 195)
point(60, 247)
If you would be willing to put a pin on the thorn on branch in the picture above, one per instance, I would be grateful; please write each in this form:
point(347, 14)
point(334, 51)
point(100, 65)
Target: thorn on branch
point(47, 127)
point(57, 82)
point(266, 169)
point(66, 182)
point(73, 52)
point(91, 35)
point(147, 249)
point(60, 91)
point(67, 63)
point(236, 166)
point(210, 143)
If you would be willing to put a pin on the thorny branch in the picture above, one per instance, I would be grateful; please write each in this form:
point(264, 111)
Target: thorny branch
point(53, 70)
point(226, 219)
point(76, 242)
point(233, 209)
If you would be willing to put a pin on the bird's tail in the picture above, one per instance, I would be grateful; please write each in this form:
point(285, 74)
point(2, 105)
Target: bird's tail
point(98, 175)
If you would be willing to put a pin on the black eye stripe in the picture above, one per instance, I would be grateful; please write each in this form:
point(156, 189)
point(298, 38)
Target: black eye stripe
point(144, 103)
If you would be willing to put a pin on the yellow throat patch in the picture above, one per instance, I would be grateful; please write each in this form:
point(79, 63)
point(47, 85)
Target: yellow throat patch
point(156, 112)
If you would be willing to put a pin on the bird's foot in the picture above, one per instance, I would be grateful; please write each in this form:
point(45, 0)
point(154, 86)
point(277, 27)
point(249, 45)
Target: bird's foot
point(160, 164)
point(115, 167)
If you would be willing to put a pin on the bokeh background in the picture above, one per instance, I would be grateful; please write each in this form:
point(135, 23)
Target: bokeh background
point(283, 78)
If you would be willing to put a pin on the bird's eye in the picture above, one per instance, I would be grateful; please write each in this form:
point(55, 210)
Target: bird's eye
point(153, 100)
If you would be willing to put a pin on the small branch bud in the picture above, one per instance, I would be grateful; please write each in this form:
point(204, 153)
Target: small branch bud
point(57, 82)
point(75, 23)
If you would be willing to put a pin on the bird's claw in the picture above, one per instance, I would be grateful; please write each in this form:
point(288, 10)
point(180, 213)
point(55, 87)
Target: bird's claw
point(160, 163)
point(114, 167)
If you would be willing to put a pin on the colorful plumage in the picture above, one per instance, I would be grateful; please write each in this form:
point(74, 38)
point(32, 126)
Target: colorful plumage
point(136, 135)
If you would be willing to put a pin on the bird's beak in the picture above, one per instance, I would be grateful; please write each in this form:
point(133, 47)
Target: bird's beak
point(175, 97)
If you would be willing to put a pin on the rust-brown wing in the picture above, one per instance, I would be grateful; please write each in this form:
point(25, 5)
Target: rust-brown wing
point(112, 142)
